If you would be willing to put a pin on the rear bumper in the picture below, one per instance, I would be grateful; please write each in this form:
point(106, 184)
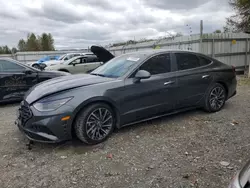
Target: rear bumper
point(232, 86)
point(233, 94)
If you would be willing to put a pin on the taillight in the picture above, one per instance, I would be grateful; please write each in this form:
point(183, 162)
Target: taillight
point(233, 68)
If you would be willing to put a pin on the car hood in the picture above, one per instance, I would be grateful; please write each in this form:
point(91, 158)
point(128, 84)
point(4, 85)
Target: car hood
point(102, 54)
point(62, 83)
point(53, 74)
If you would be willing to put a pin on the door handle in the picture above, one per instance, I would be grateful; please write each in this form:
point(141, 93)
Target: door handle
point(169, 82)
point(205, 76)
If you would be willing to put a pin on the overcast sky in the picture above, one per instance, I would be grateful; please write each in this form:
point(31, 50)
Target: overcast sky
point(80, 23)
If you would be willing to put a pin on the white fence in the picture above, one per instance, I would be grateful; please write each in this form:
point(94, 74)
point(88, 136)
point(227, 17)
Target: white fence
point(26, 57)
point(230, 48)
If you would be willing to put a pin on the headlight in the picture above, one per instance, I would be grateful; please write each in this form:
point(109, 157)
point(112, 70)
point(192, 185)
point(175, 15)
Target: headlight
point(50, 105)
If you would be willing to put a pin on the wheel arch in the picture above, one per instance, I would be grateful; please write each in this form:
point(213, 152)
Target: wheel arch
point(63, 70)
point(224, 85)
point(93, 101)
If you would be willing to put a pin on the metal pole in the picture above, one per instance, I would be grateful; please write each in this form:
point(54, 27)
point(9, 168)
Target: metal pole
point(213, 48)
point(201, 34)
point(246, 56)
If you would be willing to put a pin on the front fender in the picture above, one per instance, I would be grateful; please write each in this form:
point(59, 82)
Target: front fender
point(95, 100)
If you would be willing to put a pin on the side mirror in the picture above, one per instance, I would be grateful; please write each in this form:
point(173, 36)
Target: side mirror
point(28, 72)
point(142, 74)
point(73, 64)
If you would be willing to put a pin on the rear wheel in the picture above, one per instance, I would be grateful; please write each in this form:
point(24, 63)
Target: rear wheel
point(95, 123)
point(215, 98)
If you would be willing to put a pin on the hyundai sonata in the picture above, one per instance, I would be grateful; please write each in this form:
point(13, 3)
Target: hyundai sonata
point(128, 89)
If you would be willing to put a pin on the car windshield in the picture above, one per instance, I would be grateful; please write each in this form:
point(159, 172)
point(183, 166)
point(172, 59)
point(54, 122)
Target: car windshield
point(117, 67)
point(61, 57)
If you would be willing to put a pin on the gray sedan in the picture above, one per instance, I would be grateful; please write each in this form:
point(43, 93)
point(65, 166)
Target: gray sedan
point(128, 89)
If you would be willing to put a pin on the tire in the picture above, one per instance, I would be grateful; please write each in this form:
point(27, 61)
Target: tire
point(215, 98)
point(88, 125)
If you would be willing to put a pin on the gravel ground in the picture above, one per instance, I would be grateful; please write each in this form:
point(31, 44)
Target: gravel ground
point(184, 150)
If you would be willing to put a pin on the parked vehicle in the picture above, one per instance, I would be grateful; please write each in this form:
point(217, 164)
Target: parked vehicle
point(242, 178)
point(65, 57)
point(48, 58)
point(128, 89)
point(80, 64)
point(16, 78)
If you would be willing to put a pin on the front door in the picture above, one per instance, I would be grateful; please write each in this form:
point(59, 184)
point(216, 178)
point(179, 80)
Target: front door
point(193, 77)
point(14, 82)
point(150, 97)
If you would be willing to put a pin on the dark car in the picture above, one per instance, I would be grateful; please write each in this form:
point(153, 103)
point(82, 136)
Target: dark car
point(127, 89)
point(242, 178)
point(16, 78)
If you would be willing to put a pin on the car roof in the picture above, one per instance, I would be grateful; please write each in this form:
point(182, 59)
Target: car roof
point(156, 51)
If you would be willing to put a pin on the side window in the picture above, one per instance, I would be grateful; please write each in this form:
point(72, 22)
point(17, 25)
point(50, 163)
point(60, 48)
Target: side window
point(204, 61)
point(92, 59)
point(186, 61)
point(77, 61)
point(158, 64)
point(8, 66)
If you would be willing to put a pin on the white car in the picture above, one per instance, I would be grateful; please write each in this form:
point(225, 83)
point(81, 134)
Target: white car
point(61, 59)
point(80, 64)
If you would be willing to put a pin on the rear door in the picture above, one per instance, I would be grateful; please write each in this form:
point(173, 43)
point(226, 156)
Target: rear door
point(152, 96)
point(193, 76)
point(14, 82)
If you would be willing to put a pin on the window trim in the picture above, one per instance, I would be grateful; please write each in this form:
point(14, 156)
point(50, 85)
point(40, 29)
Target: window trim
point(197, 55)
point(151, 56)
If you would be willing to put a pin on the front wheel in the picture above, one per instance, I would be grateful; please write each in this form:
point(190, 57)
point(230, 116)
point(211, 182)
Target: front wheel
point(95, 123)
point(215, 98)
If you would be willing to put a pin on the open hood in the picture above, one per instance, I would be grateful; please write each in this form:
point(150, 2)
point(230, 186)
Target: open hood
point(102, 54)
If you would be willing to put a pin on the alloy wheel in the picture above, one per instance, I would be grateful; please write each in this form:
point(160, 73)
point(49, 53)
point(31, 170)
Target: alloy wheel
point(99, 123)
point(217, 98)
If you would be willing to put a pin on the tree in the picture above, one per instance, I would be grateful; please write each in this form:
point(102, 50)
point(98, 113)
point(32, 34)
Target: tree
point(22, 45)
point(13, 50)
point(47, 42)
point(51, 42)
point(217, 31)
point(32, 43)
point(241, 20)
point(6, 50)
